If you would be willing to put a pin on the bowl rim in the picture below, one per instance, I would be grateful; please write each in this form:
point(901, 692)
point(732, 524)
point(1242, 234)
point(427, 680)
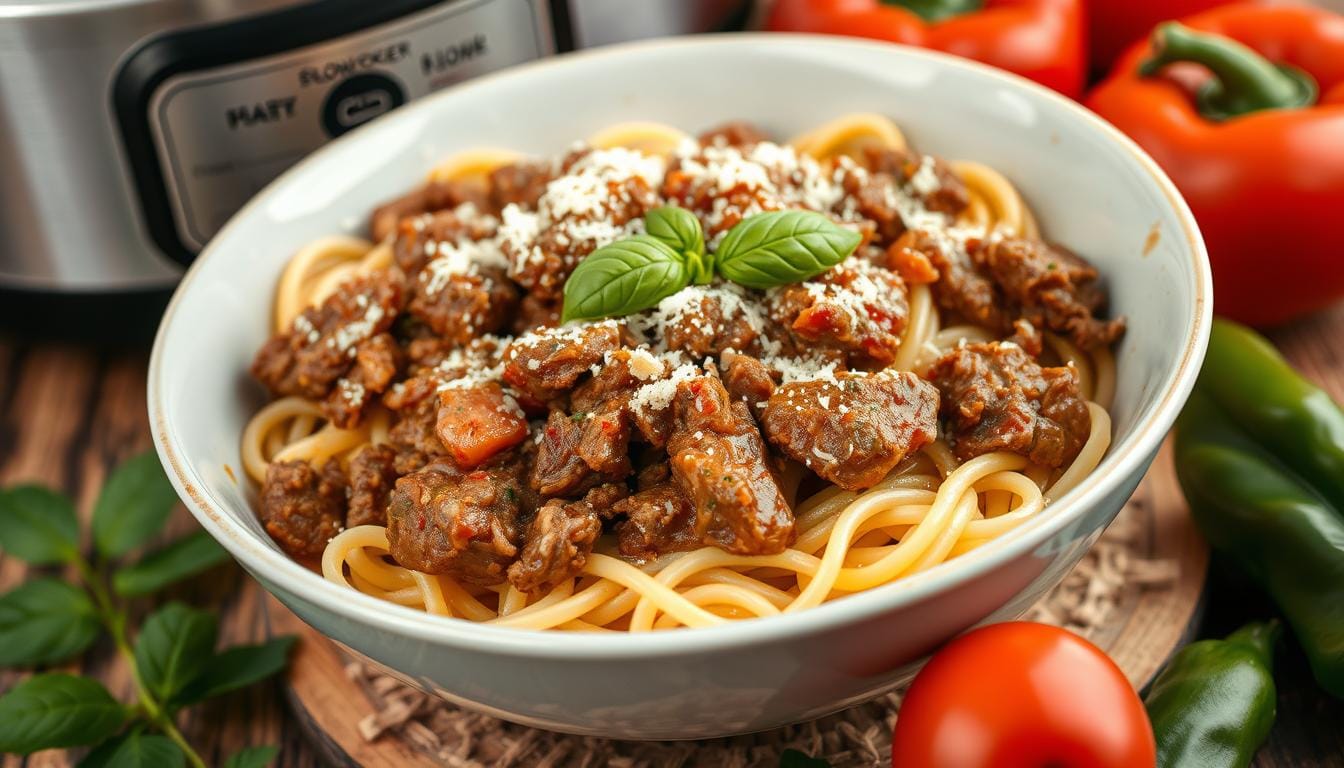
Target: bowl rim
point(1123, 460)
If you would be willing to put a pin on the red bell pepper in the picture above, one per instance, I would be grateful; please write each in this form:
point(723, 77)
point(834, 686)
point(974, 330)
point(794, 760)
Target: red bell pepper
point(1114, 25)
point(1038, 39)
point(1243, 106)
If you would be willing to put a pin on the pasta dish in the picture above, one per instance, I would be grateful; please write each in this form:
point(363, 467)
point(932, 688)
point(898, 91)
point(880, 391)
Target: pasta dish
point(667, 380)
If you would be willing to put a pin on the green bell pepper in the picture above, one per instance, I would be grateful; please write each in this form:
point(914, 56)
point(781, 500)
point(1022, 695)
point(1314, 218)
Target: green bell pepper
point(1213, 705)
point(1258, 453)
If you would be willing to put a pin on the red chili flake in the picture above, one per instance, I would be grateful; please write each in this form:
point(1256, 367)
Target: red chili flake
point(421, 524)
point(552, 432)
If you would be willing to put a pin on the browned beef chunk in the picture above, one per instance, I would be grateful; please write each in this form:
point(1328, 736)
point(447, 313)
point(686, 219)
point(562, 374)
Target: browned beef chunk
point(581, 451)
point(613, 382)
point(711, 322)
point(477, 422)
point(737, 133)
point(377, 362)
point(605, 496)
point(443, 521)
point(373, 472)
point(547, 363)
point(854, 432)
point(301, 507)
point(748, 380)
point(1051, 287)
point(519, 184)
point(961, 288)
point(535, 313)
point(719, 461)
point(659, 520)
point(556, 546)
point(856, 308)
point(418, 238)
point(414, 432)
point(996, 398)
point(1028, 337)
point(462, 306)
point(323, 342)
point(433, 196)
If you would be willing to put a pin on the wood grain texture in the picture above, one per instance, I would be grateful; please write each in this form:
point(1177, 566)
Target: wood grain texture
point(68, 413)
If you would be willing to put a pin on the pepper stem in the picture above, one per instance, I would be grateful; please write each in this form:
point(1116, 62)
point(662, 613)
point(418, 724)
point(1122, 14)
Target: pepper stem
point(937, 10)
point(1243, 80)
point(1261, 636)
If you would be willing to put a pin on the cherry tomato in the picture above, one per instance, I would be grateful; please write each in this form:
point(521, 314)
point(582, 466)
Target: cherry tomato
point(1022, 695)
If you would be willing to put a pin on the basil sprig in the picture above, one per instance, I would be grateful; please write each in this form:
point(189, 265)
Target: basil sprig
point(172, 659)
point(761, 251)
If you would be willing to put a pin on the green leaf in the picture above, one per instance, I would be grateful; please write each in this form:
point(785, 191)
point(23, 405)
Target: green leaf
point(136, 750)
point(57, 710)
point(252, 757)
point(677, 227)
point(238, 667)
point(133, 506)
point(185, 557)
point(38, 525)
point(174, 646)
point(782, 247)
point(792, 758)
point(623, 278)
point(44, 621)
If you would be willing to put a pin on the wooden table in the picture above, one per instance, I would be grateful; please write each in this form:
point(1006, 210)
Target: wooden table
point(71, 409)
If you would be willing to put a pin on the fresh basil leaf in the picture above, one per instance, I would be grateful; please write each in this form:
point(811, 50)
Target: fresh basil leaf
point(136, 750)
point(623, 278)
point(677, 227)
point(43, 621)
point(185, 557)
point(792, 758)
point(38, 525)
point(133, 506)
point(57, 710)
point(237, 667)
point(174, 646)
point(252, 757)
point(782, 247)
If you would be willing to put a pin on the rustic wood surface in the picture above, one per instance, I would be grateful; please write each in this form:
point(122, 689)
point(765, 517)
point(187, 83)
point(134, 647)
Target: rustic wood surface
point(69, 411)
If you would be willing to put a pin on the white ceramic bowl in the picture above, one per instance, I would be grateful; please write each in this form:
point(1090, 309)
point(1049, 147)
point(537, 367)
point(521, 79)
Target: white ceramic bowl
point(1092, 189)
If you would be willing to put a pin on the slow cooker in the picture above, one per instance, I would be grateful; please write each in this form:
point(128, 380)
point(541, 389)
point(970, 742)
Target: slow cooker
point(130, 130)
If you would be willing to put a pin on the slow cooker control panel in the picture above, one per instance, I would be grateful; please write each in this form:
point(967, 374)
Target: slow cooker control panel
point(219, 133)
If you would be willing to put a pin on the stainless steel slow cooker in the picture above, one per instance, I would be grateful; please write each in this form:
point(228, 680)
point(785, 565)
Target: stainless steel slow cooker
point(130, 130)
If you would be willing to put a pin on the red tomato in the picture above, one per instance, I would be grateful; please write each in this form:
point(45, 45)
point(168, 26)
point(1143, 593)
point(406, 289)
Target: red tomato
point(1022, 695)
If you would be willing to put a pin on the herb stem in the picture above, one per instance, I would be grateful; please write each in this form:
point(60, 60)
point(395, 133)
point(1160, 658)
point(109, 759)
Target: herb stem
point(113, 618)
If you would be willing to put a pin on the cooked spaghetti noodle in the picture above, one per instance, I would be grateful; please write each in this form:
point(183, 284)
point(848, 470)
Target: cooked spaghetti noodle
point(930, 508)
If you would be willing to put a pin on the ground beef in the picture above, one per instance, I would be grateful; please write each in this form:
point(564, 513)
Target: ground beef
point(949, 195)
point(520, 184)
point(323, 342)
point(855, 431)
point(373, 472)
point(737, 133)
point(658, 520)
point(433, 196)
point(996, 398)
point(476, 423)
point(856, 308)
point(547, 363)
point(461, 307)
point(443, 521)
point(719, 462)
point(1050, 287)
point(418, 238)
point(301, 507)
point(377, 362)
point(556, 546)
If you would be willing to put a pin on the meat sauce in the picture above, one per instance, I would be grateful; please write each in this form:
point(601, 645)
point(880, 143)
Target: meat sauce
point(516, 443)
